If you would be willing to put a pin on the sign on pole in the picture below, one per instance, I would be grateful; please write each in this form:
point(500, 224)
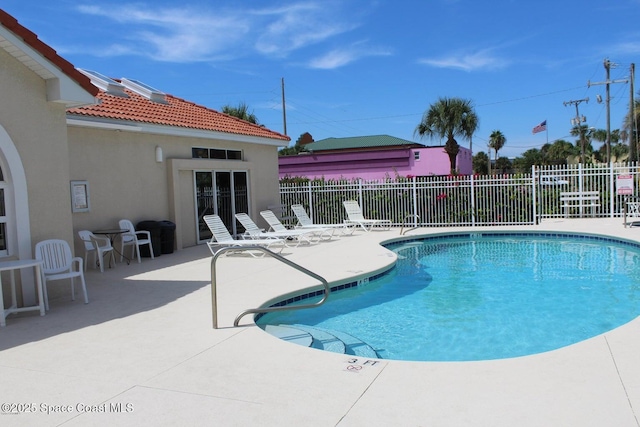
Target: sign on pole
point(624, 185)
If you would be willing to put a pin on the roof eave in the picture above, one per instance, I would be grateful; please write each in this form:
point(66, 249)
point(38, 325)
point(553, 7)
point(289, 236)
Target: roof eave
point(64, 84)
point(81, 121)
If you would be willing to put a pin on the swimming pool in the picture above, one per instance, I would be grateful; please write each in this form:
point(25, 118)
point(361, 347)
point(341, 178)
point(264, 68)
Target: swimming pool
point(481, 296)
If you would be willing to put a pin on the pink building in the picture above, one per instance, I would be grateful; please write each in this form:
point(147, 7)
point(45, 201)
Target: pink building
point(370, 158)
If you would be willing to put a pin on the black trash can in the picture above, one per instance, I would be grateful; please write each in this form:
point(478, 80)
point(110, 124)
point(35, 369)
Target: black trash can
point(153, 227)
point(167, 236)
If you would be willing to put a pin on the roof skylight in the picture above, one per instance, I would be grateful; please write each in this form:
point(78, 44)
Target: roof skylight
point(144, 89)
point(105, 83)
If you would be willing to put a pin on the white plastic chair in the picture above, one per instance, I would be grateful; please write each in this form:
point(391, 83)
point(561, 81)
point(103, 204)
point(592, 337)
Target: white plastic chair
point(131, 238)
point(58, 264)
point(99, 247)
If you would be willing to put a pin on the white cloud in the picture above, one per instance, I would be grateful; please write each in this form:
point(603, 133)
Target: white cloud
point(188, 34)
point(480, 60)
point(626, 48)
point(177, 35)
point(342, 56)
point(299, 25)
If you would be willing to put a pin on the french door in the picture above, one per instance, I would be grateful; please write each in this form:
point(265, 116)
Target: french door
point(222, 193)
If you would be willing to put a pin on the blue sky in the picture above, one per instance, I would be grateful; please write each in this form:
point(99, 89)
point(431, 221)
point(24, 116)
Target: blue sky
point(354, 68)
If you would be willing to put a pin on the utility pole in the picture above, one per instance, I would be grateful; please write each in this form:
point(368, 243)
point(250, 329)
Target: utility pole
point(284, 109)
point(633, 126)
point(607, 66)
point(576, 122)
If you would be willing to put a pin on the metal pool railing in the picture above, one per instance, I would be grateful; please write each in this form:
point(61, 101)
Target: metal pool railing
point(214, 284)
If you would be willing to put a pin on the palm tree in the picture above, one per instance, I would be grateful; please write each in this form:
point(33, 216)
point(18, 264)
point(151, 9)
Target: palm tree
point(584, 141)
point(619, 150)
point(631, 128)
point(497, 141)
point(600, 135)
point(448, 118)
point(241, 112)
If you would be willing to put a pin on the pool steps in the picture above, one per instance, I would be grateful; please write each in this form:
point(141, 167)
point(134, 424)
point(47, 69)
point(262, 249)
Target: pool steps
point(322, 339)
point(293, 335)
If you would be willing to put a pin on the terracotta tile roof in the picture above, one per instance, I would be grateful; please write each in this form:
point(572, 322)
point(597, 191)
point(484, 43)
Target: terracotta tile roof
point(45, 50)
point(175, 112)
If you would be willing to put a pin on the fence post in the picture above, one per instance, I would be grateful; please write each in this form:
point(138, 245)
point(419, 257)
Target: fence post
point(473, 201)
point(310, 200)
point(360, 199)
point(612, 190)
point(415, 202)
point(581, 184)
point(534, 199)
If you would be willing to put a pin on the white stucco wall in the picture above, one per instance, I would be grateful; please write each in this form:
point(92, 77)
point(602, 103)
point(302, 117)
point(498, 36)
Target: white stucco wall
point(125, 180)
point(35, 162)
point(39, 132)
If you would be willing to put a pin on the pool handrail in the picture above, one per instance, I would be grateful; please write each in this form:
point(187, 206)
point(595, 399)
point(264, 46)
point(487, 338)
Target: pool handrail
point(404, 222)
point(214, 293)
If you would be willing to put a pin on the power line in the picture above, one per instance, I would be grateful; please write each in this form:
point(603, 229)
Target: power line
point(394, 116)
point(607, 65)
point(530, 97)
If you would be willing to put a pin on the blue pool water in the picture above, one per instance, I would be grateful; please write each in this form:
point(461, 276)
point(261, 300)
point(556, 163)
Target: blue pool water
point(485, 297)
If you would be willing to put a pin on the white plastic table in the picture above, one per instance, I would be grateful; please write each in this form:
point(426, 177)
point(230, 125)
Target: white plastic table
point(12, 266)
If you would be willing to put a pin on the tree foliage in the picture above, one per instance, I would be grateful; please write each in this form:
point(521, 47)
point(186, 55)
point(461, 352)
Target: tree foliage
point(559, 152)
point(481, 163)
point(497, 141)
point(529, 158)
point(562, 152)
point(241, 112)
point(299, 146)
point(449, 118)
point(503, 165)
point(619, 151)
point(631, 129)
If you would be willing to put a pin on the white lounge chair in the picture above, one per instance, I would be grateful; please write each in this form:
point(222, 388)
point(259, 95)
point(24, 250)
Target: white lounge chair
point(305, 222)
point(309, 236)
point(354, 213)
point(222, 238)
point(252, 231)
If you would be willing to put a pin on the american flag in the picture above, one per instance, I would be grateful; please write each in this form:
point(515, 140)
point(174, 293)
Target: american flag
point(541, 127)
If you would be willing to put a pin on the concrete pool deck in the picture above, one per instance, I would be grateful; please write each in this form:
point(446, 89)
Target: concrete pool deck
point(143, 353)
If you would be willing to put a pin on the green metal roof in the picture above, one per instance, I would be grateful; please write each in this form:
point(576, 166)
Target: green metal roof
point(358, 142)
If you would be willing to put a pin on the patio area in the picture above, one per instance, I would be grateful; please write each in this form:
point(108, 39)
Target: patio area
point(143, 353)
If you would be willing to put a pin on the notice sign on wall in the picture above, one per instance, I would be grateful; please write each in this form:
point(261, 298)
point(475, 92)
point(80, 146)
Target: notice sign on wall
point(624, 185)
point(80, 196)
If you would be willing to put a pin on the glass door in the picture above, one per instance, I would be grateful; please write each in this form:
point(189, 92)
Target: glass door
point(223, 193)
point(240, 197)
